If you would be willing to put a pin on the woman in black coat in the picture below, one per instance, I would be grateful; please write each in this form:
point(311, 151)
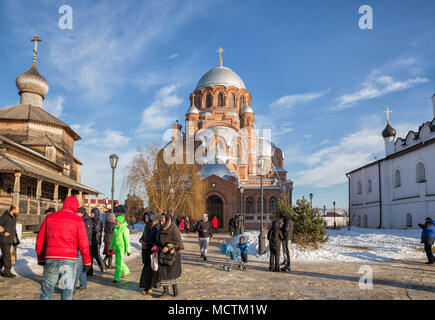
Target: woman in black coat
point(148, 277)
point(169, 240)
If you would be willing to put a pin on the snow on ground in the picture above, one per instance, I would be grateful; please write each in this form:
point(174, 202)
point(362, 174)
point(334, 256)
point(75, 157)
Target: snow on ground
point(382, 245)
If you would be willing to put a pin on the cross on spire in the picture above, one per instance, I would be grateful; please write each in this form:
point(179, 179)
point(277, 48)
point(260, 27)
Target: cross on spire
point(220, 51)
point(35, 41)
point(388, 111)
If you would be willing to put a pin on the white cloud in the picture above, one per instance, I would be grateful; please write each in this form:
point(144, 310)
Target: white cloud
point(160, 113)
point(289, 101)
point(54, 106)
point(172, 56)
point(328, 166)
point(95, 137)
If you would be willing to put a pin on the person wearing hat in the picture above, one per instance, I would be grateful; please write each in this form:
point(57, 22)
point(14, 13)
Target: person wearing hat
point(148, 277)
point(109, 226)
point(97, 231)
point(121, 245)
point(428, 238)
point(204, 234)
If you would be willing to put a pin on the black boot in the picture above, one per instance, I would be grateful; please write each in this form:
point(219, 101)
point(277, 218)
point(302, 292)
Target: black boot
point(105, 261)
point(175, 290)
point(165, 292)
point(110, 263)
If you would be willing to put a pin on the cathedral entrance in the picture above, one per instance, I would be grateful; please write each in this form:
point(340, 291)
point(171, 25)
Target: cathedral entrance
point(215, 208)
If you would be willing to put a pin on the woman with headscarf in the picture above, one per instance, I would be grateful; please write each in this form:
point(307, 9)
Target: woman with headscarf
point(148, 277)
point(109, 226)
point(169, 240)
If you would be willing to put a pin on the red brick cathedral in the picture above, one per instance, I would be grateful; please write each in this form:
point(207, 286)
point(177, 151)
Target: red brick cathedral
point(221, 122)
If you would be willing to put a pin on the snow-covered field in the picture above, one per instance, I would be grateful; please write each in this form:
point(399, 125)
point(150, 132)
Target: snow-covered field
point(382, 245)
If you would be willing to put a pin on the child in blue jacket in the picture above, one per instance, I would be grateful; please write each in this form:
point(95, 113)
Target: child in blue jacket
point(243, 246)
point(428, 237)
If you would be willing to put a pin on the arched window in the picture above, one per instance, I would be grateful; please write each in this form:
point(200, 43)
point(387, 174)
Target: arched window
point(272, 204)
point(208, 100)
point(259, 205)
point(241, 103)
point(198, 102)
point(409, 220)
point(220, 100)
point(358, 220)
point(359, 188)
point(369, 186)
point(232, 100)
point(249, 205)
point(397, 179)
point(421, 174)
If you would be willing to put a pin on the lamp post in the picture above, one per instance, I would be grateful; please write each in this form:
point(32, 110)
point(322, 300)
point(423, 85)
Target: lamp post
point(113, 163)
point(242, 214)
point(311, 200)
point(171, 191)
point(334, 214)
point(262, 236)
point(324, 210)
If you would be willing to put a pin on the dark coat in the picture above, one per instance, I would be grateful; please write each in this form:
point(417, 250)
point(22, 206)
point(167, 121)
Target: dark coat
point(204, 229)
point(108, 231)
point(88, 225)
point(150, 237)
point(275, 236)
point(287, 229)
point(170, 234)
point(9, 223)
point(97, 231)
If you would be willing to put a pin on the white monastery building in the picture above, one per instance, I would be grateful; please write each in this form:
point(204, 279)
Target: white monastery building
point(397, 191)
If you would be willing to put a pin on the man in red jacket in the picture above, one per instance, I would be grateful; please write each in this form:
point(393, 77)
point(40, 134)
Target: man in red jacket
point(59, 237)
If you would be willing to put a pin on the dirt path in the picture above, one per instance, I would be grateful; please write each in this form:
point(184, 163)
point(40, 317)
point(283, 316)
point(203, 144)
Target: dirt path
point(207, 280)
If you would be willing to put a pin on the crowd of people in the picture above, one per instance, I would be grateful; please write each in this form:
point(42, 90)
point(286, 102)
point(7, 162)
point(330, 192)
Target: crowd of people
point(70, 240)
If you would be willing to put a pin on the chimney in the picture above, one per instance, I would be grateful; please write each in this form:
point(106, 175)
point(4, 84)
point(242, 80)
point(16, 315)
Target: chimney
point(433, 103)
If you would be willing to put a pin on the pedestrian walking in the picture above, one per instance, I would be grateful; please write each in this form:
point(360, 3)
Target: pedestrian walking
point(121, 245)
point(243, 247)
point(109, 226)
point(231, 226)
point(171, 244)
point(214, 224)
point(187, 228)
point(274, 236)
point(182, 225)
point(204, 234)
point(8, 238)
point(287, 232)
point(427, 238)
point(97, 233)
point(80, 274)
point(148, 277)
point(61, 234)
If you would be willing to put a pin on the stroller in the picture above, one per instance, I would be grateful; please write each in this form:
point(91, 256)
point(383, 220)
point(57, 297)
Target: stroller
point(231, 258)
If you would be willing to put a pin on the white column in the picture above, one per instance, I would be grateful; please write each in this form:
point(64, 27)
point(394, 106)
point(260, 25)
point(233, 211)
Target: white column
point(38, 195)
point(16, 194)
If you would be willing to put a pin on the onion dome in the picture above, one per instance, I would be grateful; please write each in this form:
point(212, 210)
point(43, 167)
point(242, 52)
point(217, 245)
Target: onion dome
point(218, 169)
point(32, 81)
point(389, 131)
point(193, 110)
point(247, 109)
point(220, 76)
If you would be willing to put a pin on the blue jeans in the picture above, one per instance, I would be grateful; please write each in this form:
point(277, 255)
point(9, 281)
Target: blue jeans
point(80, 274)
point(58, 270)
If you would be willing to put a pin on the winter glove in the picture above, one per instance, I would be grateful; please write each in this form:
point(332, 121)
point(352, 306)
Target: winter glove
point(86, 268)
point(41, 263)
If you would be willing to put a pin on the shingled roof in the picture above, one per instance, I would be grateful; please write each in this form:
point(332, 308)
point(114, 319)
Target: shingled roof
point(27, 112)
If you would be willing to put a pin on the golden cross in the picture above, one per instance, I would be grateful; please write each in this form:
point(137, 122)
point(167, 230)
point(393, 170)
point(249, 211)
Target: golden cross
point(388, 111)
point(35, 40)
point(220, 50)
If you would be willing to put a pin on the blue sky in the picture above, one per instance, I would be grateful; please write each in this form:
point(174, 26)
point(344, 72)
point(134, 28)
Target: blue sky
point(317, 80)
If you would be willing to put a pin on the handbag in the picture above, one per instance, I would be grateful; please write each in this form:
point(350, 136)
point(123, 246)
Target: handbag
point(166, 259)
point(154, 261)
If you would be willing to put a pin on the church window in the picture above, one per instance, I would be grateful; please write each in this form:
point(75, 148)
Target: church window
point(232, 100)
point(365, 221)
point(397, 179)
point(249, 205)
point(198, 102)
point(220, 100)
point(369, 186)
point(359, 188)
point(272, 204)
point(208, 100)
point(421, 175)
point(241, 102)
point(409, 220)
point(259, 205)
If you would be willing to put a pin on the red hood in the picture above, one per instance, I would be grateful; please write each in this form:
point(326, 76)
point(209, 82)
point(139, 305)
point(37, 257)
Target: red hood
point(71, 204)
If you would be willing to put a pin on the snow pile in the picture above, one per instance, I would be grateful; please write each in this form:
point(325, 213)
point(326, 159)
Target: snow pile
point(345, 246)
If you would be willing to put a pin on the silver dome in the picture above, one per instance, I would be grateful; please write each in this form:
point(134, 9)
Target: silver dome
point(247, 109)
point(218, 169)
point(32, 81)
point(193, 109)
point(220, 76)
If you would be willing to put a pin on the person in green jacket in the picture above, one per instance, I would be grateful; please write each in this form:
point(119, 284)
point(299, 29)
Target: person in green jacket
point(120, 244)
